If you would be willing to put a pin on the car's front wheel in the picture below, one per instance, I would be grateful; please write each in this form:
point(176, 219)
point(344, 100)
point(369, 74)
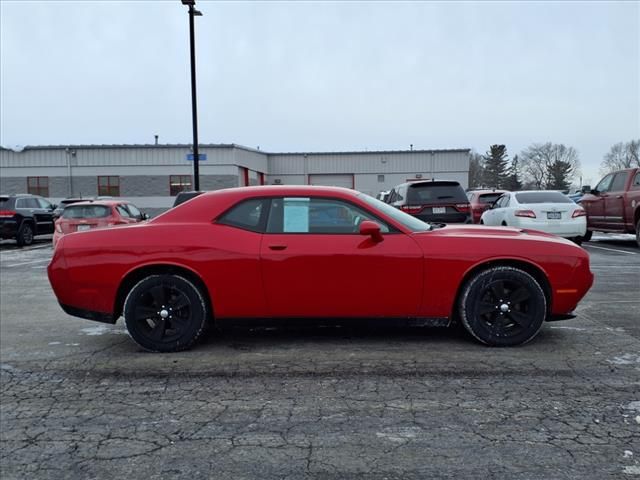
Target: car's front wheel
point(502, 306)
point(165, 313)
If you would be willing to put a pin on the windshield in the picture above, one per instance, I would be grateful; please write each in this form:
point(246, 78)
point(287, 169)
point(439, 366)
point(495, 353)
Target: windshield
point(412, 223)
point(542, 197)
point(86, 211)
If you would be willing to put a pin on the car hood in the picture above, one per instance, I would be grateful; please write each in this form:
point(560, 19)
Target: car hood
point(481, 231)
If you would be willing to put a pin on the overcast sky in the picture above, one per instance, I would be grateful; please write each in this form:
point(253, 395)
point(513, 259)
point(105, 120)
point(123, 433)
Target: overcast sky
point(324, 76)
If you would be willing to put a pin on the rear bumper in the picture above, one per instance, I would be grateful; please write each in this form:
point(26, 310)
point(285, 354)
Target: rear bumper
point(445, 218)
point(8, 228)
point(89, 314)
point(561, 228)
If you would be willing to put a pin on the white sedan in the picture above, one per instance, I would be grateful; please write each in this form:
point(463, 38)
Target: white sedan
point(548, 211)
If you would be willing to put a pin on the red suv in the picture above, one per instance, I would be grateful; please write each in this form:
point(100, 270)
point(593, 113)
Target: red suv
point(82, 216)
point(482, 200)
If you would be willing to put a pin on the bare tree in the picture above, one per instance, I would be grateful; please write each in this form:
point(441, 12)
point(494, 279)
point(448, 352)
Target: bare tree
point(539, 163)
point(621, 155)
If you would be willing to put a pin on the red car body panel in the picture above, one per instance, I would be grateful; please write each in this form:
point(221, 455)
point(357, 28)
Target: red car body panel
point(247, 274)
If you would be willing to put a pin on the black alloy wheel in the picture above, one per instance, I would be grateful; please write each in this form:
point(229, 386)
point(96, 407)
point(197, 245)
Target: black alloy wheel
point(503, 306)
point(165, 313)
point(25, 234)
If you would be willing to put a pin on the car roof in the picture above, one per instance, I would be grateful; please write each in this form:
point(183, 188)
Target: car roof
point(431, 182)
point(271, 190)
point(104, 203)
point(484, 192)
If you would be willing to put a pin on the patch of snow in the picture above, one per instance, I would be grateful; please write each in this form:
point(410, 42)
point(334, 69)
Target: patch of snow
point(578, 329)
point(399, 435)
point(54, 343)
point(6, 366)
point(626, 359)
point(632, 470)
point(71, 344)
point(633, 406)
point(101, 330)
point(628, 454)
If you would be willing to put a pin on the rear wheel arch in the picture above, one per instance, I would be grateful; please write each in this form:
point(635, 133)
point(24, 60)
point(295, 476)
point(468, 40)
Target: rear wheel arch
point(536, 272)
point(133, 277)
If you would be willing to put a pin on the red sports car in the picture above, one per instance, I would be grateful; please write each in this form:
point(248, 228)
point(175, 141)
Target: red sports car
point(313, 252)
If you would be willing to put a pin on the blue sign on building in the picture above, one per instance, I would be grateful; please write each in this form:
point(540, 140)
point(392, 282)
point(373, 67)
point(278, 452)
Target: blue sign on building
point(201, 157)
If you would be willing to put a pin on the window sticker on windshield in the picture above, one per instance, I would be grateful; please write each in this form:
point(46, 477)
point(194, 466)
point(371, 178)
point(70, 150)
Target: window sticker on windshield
point(296, 215)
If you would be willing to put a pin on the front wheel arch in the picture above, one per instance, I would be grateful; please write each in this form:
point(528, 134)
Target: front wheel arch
point(135, 276)
point(536, 272)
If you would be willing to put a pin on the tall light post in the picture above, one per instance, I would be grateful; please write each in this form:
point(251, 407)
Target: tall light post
point(194, 104)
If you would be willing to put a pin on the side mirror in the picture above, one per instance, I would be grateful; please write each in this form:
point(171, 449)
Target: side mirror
point(586, 189)
point(371, 229)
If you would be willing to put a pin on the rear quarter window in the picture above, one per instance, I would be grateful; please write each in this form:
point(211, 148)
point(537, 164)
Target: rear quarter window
point(247, 215)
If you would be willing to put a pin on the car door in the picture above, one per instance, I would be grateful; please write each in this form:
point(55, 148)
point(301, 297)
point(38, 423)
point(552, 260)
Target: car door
point(44, 216)
point(594, 203)
point(614, 202)
point(315, 263)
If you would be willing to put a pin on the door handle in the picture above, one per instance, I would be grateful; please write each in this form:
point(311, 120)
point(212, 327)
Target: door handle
point(277, 247)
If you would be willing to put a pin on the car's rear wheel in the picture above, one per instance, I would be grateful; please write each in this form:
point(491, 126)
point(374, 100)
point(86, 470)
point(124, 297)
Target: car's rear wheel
point(587, 236)
point(25, 234)
point(576, 240)
point(165, 313)
point(502, 306)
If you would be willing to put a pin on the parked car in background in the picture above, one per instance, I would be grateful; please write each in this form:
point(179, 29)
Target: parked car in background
point(383, 196)
point(481, 200)
point(264, 252)
point(182, 197)
point(87, 215)
point(614, 205)
point(24, 216)
point(545, 210)
point(66, 202)
point(434, 201)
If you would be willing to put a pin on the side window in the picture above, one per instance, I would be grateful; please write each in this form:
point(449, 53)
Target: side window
point(636, 181)
point(43, 203)
point(605, 183)
point(500, 202)
point(402, 193)
point(247, 215)
point(392, 196)
point(317, 215)
point(134, 210)
point(619, 182)
point(123, 211)
point(28, 203)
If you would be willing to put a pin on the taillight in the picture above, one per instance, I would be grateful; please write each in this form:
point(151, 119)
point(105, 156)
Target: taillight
point(411, 210)
point(462, 207)
point(578, 212)
point(7, 213)
point(525, 213)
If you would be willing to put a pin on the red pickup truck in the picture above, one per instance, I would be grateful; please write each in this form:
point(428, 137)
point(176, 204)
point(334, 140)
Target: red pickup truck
point(614, 205)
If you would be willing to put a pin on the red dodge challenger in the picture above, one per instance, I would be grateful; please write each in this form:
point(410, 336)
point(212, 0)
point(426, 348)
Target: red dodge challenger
point(314, 252)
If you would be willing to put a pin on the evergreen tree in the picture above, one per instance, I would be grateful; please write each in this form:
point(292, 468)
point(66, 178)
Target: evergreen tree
point(559, 175)
point(495, 166)
point(513, 181)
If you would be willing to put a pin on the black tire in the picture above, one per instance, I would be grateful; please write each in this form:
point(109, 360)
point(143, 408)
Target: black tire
point(576, 240)
point(504, 224)
point(481, 222)
point(502, 306)
point(587, 236)
point(165, 313)
point(25, 235)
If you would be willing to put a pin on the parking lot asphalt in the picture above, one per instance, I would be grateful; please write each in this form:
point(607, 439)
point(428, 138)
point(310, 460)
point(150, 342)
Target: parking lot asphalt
point(79, 399)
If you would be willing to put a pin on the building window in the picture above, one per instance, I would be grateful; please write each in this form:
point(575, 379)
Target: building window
point(179, 183)
point(380, 178)
point(109, 186)
point(38, 186)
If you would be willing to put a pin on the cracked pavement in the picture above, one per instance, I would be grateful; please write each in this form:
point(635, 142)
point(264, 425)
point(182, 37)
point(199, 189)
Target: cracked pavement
point(79, 399)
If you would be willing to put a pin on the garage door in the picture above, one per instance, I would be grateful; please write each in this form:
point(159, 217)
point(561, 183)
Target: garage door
point(342, 180)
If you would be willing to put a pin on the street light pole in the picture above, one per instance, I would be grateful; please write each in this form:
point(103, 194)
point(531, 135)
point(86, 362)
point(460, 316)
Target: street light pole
point(194, 104)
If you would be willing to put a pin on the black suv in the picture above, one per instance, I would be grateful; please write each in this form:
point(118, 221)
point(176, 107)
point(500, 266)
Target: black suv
point(434, 201)
point(23, 216)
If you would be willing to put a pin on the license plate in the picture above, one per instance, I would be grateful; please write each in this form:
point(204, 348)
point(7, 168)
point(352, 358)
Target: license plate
point(554, 215)
point(82, 228)
point(439, 210)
